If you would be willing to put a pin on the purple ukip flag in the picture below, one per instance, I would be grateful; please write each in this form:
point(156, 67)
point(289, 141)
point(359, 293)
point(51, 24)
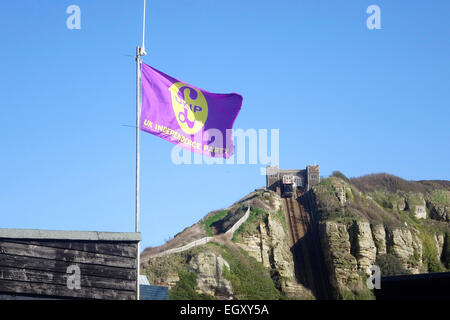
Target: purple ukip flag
point(187, 116)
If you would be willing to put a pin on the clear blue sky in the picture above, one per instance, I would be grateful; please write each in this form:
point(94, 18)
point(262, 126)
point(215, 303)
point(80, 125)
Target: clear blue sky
point(351, 99)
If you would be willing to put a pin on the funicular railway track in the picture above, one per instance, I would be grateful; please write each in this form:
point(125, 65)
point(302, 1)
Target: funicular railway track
point(295, 232)
point(309, 266)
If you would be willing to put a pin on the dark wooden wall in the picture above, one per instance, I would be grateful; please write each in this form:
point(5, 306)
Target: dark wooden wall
point(428, 286)
point(38, 268)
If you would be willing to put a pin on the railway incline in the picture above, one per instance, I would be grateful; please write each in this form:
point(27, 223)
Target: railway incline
point(305, 243)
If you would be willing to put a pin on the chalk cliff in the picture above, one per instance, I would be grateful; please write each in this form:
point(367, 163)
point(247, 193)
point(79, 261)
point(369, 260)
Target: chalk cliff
point(400, 226)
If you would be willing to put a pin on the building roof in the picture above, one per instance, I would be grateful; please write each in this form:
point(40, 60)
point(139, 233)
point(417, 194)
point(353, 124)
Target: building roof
point(143, 280)
point(153, 292)
point(68, 235)
point(149, 292)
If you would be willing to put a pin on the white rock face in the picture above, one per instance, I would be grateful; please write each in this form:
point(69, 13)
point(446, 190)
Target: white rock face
point(341, 190)
point(420, 212)
point(366, 252)
point(439, 240)
point(170, 280)
point(401, 205)
point(403, 242)
point(257, 247)
point(341, 264)
point(273, 200)
point(379, 236)
point(270, 246)
point(209, 268)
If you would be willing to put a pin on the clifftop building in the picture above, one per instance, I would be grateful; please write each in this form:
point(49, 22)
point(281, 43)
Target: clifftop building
point(304, 179)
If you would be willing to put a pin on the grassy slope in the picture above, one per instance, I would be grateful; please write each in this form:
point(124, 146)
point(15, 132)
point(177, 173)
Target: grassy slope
point(249, 278)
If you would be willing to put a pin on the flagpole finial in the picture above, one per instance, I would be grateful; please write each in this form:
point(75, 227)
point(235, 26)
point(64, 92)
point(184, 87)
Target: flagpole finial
point(142, 51)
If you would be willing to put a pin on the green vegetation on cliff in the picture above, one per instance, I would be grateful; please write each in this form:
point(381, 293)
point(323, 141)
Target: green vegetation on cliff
point(388, 200)
point(185, 288)
point(250, 279)
point(429, 255)
point(339, 201)
point(390, 265)
point(439, 196)
point(211, 220)
point(162, 267)
point(257, 218)
point(398, 238)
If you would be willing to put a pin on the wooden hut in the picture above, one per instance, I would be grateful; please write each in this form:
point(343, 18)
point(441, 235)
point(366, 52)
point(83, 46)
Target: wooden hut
point(38, 264)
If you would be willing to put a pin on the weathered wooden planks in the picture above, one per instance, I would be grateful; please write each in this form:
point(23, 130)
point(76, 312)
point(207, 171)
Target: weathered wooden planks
point(61, 266)
point(61, 291)
point(38, 268)
point(38, 251)
point(15, 274)
point(108, 248)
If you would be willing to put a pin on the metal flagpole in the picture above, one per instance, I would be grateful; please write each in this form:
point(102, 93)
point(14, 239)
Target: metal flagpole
point(140, 51)
point(138, 75)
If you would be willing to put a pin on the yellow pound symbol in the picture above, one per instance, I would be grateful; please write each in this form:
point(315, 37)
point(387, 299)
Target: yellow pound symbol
point(190, 107)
